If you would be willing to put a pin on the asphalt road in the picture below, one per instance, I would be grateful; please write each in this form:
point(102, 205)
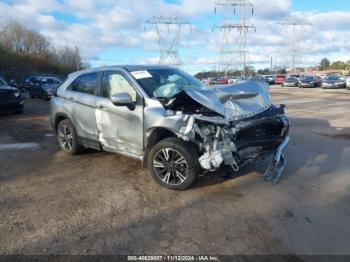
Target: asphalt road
point(100, 203)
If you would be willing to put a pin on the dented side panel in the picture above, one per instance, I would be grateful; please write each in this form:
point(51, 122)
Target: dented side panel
point(119, 128)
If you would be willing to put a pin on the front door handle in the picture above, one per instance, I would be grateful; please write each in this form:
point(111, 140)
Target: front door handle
point(99, 106)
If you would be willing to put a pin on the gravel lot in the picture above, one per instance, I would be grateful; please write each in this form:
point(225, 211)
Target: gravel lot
point(100, 203)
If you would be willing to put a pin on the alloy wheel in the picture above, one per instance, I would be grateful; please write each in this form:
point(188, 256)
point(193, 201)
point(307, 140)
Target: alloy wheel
point(65, 136)
point(170, 166)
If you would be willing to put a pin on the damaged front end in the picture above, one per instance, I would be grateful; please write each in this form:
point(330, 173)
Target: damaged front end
point(232, 125)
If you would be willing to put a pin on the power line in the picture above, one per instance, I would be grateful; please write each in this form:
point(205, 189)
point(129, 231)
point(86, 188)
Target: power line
point(228, 52)
point(168, 40)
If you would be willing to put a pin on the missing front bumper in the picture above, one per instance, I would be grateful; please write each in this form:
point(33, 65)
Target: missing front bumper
point(275, 169)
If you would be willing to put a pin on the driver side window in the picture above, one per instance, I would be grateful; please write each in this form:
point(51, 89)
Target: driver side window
point(114, 83)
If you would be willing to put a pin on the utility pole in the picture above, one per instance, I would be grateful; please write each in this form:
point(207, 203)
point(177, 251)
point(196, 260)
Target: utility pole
point(168, 39)
point(271, 67)
point(229, 24)
point(77, 58)
point(295, 31)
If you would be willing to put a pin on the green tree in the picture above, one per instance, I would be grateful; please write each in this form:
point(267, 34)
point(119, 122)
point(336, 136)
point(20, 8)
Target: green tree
point(325, 64)
point(339, 65)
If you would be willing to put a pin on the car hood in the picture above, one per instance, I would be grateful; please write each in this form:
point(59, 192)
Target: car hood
point(234, 101)
point(332, 81)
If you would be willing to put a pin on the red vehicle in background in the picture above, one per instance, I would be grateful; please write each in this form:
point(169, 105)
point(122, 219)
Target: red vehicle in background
point(279, 79)
point(223, 81)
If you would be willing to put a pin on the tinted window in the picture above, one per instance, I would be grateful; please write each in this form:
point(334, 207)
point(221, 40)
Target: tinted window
point(309, 78)
point(114, 83)
point(85, 84)
point(332, 78)
point(51, 81)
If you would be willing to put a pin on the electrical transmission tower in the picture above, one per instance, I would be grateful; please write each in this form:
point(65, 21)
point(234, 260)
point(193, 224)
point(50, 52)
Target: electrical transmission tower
point(234, 9)
point(168, 31)
point(295, 32)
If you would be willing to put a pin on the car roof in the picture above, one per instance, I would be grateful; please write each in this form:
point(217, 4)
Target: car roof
point(129, 68)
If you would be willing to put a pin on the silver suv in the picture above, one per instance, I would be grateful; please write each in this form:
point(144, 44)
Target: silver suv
point(171, 122)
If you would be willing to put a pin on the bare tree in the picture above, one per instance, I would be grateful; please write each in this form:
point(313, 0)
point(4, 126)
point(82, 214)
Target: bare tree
point(22, 40)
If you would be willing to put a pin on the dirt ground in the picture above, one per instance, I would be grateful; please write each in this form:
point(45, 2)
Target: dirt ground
point(100, 203)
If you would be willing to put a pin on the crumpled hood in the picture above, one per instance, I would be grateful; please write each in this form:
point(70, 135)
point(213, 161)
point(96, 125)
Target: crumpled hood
point(234, 101)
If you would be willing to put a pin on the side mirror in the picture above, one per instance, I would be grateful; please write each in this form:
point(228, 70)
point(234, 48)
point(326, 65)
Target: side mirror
point(121, 99)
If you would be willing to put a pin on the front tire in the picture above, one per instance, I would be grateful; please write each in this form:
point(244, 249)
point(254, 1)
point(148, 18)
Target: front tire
point(67, 137)
point(173, 163)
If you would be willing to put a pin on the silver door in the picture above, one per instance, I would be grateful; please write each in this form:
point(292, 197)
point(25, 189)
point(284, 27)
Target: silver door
point(82, 96)
point(120, 128)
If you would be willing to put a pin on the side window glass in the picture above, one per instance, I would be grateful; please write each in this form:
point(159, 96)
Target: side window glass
point(114, 83)
point(85, 84)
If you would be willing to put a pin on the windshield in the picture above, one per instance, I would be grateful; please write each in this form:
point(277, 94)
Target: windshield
point(291, 79)
point(308, 78)
point(2, 82)
point(332, 78)
point(51, 81)
point(165, 82)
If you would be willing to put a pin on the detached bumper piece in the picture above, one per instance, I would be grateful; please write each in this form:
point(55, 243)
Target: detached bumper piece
point(275, 169)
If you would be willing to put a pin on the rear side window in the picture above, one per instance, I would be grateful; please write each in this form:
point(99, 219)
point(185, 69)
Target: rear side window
point(85, 83)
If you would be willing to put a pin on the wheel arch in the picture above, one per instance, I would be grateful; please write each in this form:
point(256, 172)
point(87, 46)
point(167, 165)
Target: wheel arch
point(58, 118)
point(154, 136)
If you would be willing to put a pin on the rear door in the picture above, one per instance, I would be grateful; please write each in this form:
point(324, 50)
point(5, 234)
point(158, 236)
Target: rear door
point(120, 128)
point(83, 96)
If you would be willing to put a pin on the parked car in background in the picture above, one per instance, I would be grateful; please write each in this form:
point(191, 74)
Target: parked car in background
point(333, 81)
point(279, 79)
point(43, 87)
point(309, 81)
point(270, 79)
point(291, 81)
point(223, 80)
point(260, 79)
point(348, 82)
point(297, 76)
point(233, 80)
point(214, 81)
point(11, 98)
point(207, 81)
point(170, 120)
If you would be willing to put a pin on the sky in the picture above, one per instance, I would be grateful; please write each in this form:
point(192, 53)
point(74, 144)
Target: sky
point(110, 32)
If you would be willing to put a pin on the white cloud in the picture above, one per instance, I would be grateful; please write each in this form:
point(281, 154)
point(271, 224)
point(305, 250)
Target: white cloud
point(99, 25)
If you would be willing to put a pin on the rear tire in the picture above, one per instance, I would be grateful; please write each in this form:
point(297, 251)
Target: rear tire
point(67, 138)
point(173, 163)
